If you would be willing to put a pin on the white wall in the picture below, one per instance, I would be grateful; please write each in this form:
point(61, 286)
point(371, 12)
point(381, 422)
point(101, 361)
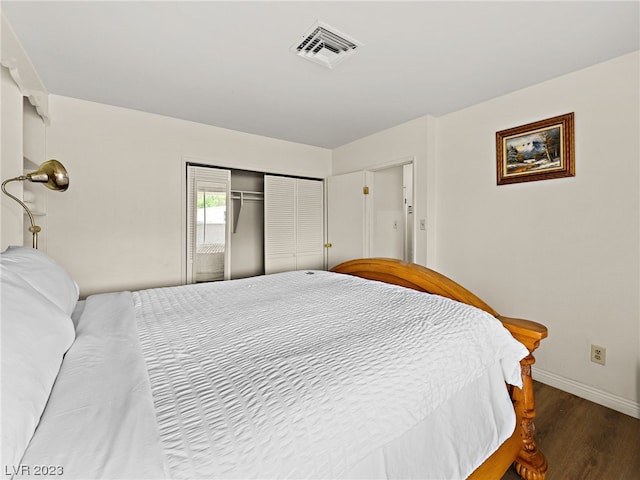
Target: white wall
point(21, 135)
point(564, 252)
point(119, 225)
point(11, 224)
point(35, 195)
point(411, 140)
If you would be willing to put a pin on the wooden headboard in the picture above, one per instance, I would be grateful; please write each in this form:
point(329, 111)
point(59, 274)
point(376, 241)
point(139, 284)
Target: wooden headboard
point(411, 275)
point(423, 279)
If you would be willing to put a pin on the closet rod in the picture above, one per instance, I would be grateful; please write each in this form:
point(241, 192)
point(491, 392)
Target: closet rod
point(242, 196)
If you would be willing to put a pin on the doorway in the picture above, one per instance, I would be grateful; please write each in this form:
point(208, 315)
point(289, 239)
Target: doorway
point(391, 233)
point(370, 214)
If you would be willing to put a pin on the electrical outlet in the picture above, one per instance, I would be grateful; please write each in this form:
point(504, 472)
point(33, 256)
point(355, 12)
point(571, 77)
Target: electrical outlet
point(423, 224)
point(598, 354)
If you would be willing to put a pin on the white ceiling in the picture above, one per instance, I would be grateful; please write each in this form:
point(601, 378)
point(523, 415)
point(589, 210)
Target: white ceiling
point(228, 64)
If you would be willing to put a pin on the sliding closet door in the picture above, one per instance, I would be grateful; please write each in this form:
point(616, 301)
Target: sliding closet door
point(208, 235)
point(293, 224)
point(279, 224)
point(309, 224)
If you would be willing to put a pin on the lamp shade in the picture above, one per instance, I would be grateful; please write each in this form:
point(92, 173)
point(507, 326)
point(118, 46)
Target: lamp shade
point(52, 174)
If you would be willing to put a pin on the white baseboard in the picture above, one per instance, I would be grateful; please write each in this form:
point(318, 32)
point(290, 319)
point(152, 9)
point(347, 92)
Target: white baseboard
point(608, 400)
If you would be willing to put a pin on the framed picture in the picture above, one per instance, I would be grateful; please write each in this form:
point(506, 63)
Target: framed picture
point(536, 151)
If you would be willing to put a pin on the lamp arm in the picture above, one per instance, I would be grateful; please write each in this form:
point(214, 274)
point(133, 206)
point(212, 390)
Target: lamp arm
point(34, 229)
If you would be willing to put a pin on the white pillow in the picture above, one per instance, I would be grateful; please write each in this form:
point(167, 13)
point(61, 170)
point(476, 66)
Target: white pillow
point(43, 274)
point(35, 336)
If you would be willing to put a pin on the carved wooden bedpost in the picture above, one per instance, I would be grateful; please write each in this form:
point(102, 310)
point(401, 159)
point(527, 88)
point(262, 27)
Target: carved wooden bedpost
point(531, 463)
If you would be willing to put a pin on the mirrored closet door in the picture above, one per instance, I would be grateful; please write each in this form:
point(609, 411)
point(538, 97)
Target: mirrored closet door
point(208, 234)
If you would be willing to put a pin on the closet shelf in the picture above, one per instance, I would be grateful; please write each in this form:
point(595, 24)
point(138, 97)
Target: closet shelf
point(246, 195)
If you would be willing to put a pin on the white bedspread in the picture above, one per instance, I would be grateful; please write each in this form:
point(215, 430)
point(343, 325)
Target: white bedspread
point(239, 392)
point(342, 367)
point(99, 421)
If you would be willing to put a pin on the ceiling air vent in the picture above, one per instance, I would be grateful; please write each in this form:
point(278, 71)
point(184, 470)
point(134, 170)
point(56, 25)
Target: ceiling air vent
point(325, 45)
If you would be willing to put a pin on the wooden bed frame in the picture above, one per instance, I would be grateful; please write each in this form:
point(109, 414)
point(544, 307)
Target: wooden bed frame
point(520, 449)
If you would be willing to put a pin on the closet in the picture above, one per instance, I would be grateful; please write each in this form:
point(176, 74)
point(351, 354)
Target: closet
point(244, 223)
point(247, 224)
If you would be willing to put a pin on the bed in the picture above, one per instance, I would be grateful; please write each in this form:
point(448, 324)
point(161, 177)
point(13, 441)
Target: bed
point(376, 369)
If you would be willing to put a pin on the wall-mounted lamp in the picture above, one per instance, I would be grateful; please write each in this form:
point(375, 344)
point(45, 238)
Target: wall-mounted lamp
point(53, 175)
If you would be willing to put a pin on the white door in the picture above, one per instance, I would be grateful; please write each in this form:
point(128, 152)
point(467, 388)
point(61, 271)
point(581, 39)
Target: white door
point(279, 224)
point(346, 218)
point(309, 224)
point(293, 220)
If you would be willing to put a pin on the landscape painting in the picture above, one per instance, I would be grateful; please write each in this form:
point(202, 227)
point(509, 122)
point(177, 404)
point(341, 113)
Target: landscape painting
point(536, 151)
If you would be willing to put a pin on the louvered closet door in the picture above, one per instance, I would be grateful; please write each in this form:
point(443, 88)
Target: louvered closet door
point(294, 224)
point(279, 224)
point(310, 223)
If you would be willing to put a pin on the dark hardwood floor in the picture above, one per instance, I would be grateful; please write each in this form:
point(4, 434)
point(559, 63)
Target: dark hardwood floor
point(583, 440)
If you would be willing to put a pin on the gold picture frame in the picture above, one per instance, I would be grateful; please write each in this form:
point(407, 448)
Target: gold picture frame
point(536, 151)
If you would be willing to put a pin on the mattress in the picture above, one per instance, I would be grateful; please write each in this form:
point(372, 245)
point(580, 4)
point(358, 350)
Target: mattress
point(299, 374)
